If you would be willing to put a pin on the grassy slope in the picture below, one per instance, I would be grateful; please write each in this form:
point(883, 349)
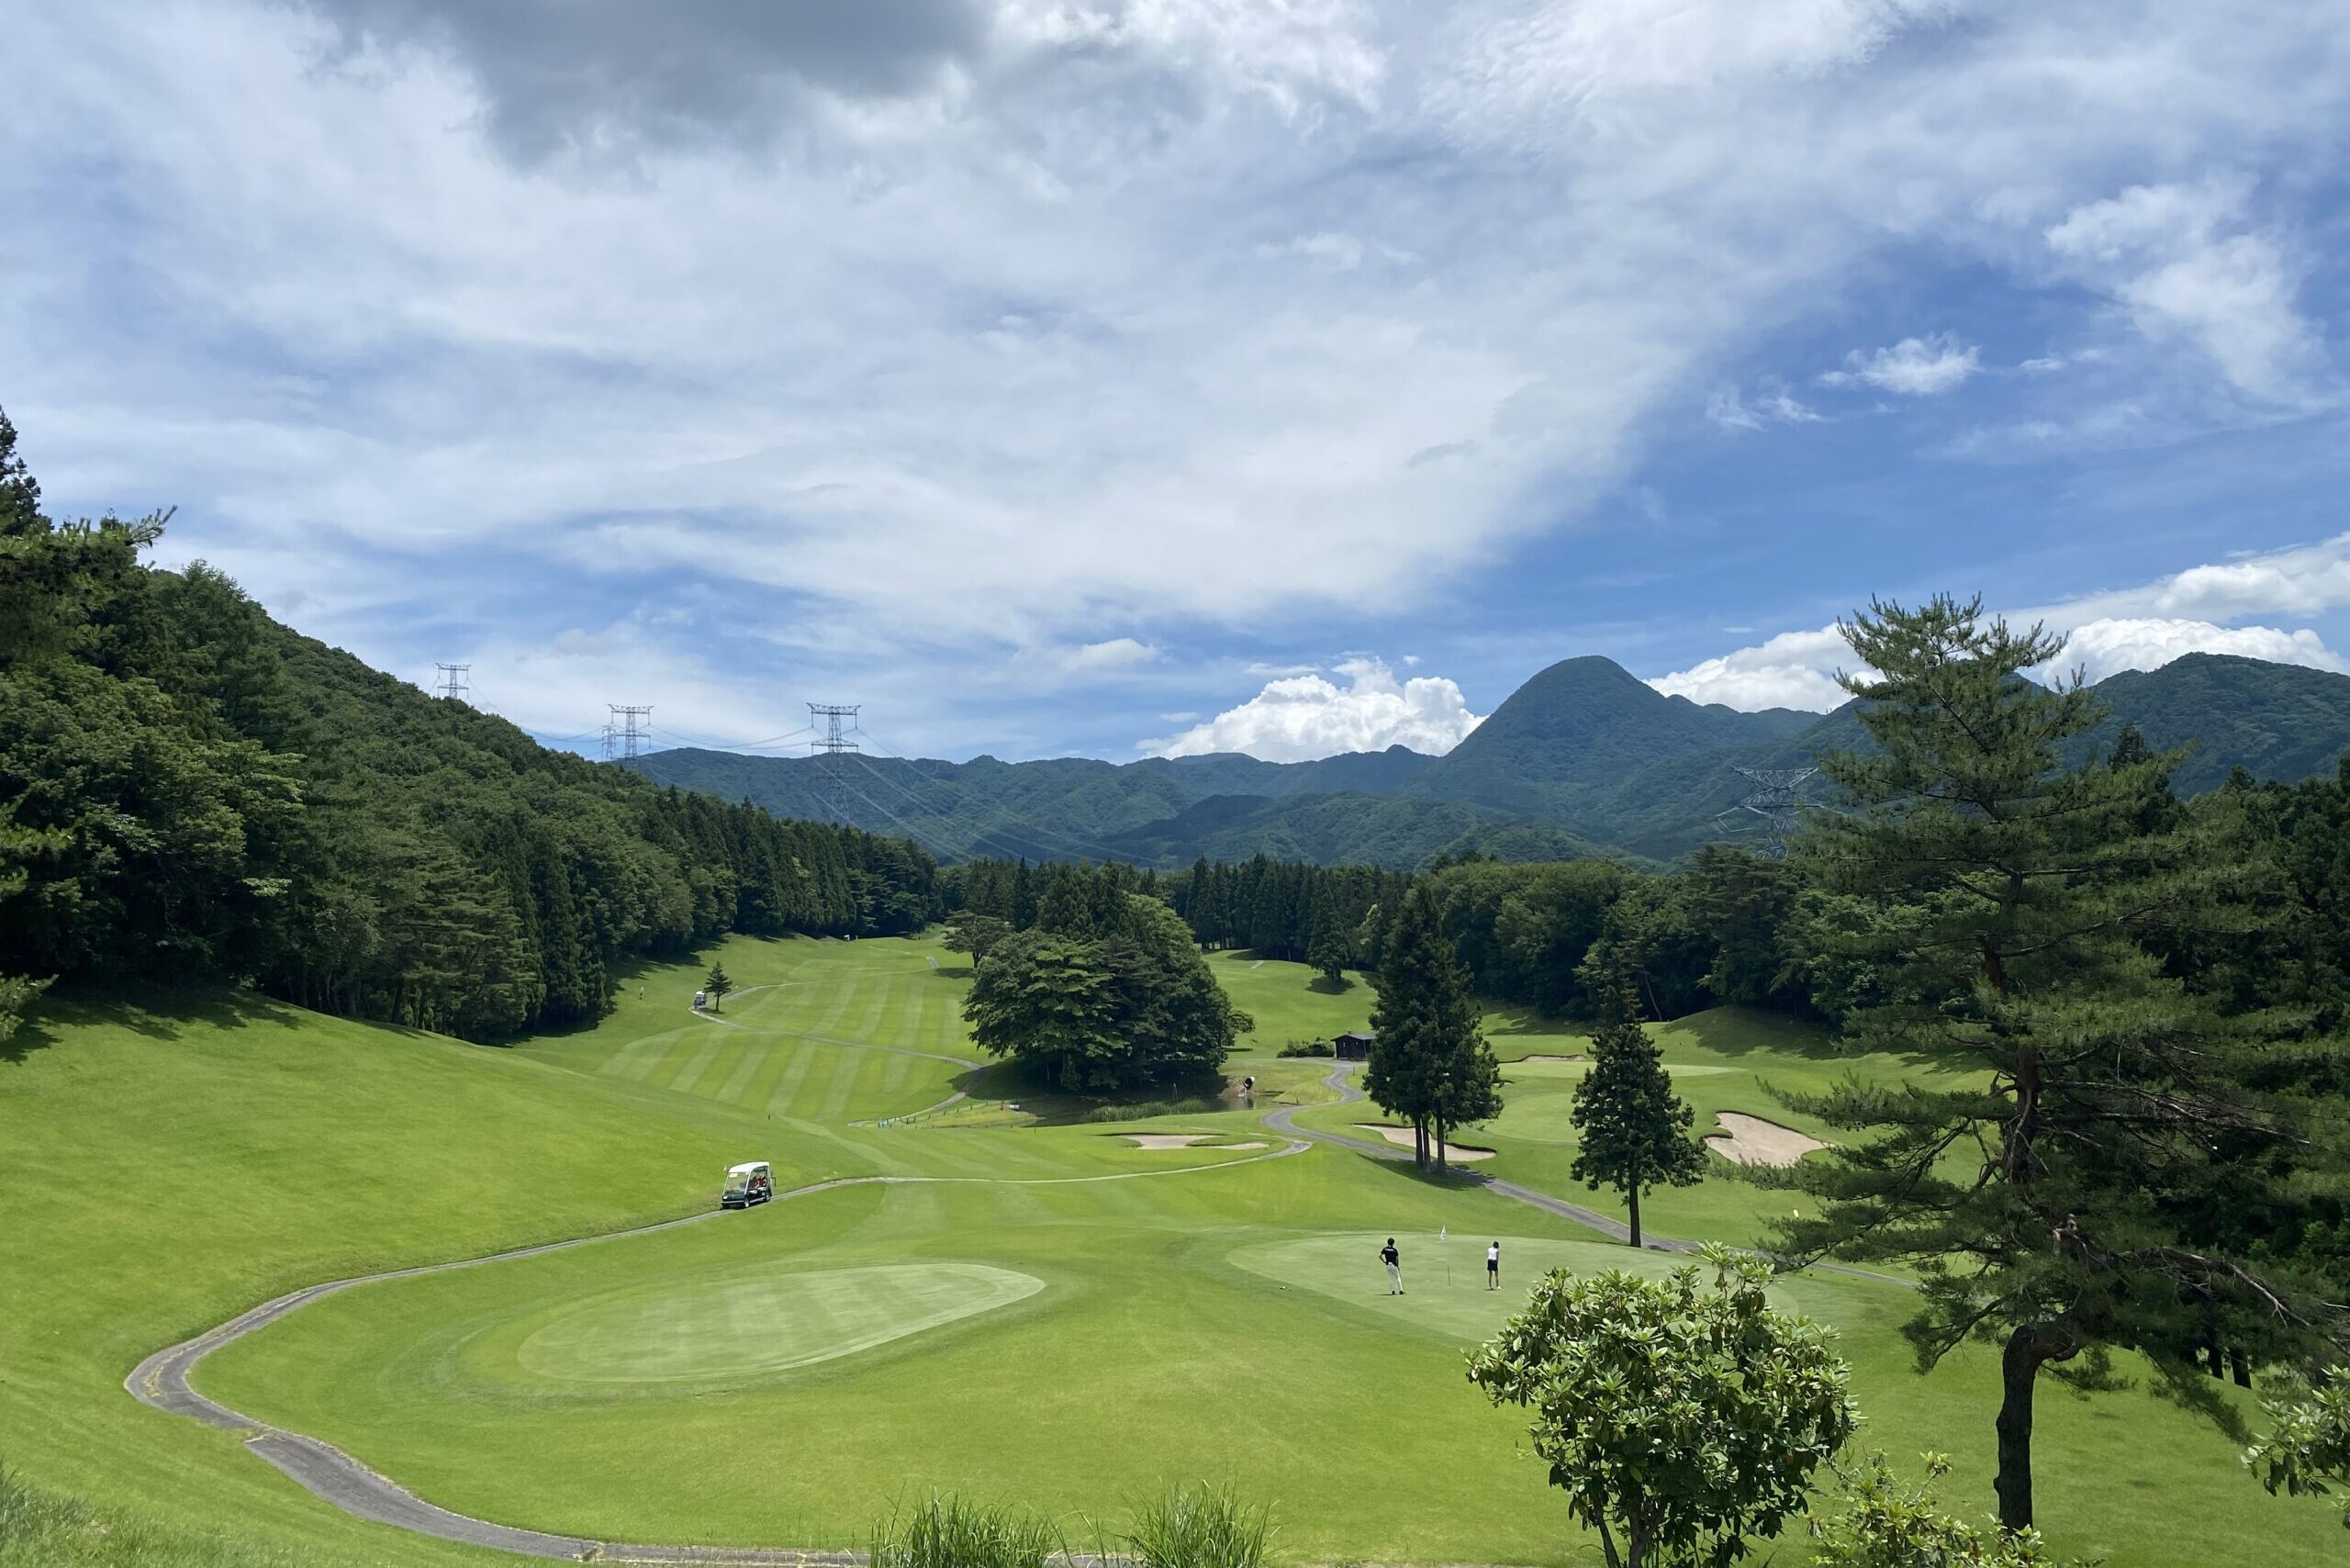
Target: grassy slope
point(162, 1170)
point(274, 1149)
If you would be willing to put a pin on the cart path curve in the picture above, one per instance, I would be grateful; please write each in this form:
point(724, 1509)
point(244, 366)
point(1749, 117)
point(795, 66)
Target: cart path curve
point(333, 1477)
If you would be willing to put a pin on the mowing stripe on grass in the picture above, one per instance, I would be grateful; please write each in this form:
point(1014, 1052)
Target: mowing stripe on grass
point(772, 1061)
point(755, 1052)
point(714, 1042)
point(787, 1088)
point(843, 1087)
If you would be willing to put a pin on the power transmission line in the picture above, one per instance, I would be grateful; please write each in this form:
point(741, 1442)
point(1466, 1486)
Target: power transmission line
point(451, 684)
point(1777, 799)
point(830, 741)
point(1041, 839)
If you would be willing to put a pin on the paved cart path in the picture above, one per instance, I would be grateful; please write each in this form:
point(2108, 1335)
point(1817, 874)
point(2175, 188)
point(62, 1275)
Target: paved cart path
point(326, 1472)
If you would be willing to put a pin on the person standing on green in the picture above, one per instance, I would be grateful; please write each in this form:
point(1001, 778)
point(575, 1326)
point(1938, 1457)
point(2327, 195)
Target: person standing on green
point(1394, 1262)
point(1493, 1267)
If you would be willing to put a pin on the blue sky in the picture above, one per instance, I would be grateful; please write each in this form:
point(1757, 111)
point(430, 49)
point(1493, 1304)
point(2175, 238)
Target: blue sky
point(1105, 376)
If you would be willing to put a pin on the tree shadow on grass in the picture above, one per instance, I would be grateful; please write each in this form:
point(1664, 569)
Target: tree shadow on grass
point(155, 1011)
point(1329, 986)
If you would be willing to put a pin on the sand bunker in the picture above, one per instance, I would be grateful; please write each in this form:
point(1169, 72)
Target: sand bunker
point(1240, 1145)
point(1165, 1140)
point(1538, 1056)
point(1751, 1140)
point(1402, 1138)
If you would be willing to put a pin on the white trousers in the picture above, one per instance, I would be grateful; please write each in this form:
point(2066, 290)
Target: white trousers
point(1394, 1276)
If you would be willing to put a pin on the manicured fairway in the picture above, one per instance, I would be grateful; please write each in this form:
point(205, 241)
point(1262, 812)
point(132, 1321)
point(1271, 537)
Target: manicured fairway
point(1037, 1312)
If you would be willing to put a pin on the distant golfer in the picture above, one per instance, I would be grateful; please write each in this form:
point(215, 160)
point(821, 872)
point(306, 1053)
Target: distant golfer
point(1394, 1262)
point(1493, 1267)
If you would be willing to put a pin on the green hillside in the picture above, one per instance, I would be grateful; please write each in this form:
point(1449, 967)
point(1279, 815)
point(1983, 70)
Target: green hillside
point(1582, 759)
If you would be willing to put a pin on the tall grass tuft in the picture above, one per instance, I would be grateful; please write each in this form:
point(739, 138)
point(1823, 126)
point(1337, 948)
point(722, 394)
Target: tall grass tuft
point(948, 1532)
point(1200, 1527)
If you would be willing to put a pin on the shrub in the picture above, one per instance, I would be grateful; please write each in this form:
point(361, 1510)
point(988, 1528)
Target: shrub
point(1680, 1419)
point(1143, 1110)
point(948, 1532)
point(1309, 1049)
point(1199, 1527)
point(1884, 1526)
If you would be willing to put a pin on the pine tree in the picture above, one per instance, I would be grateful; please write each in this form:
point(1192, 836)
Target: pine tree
point(718, 985)
point(2055, 1198)
point(1634, 1130)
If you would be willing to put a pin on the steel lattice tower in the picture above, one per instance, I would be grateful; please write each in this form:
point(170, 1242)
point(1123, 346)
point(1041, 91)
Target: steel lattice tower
point(453, 680)
point(623, 732)
point(1776, 799)
point(832, 743)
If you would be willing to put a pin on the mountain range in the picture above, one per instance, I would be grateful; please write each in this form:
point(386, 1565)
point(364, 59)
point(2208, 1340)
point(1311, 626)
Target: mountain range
point(1584, 759)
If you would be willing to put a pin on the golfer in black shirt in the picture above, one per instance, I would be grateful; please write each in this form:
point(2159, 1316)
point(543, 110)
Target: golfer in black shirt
point(1394, 1262)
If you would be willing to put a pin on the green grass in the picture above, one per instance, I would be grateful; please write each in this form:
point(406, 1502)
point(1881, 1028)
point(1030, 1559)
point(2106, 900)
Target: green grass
point(1034, 1315)
point(1289, 1002)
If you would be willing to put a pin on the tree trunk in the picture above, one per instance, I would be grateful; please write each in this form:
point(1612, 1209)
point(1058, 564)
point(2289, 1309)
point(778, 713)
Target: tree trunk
point(1632, 1196)
point(2028, 1348)
point(2240, 1366)
point(1440, 1130)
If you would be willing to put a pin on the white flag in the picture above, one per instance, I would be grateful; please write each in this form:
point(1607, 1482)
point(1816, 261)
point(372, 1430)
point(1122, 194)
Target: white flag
point(1442, 1231)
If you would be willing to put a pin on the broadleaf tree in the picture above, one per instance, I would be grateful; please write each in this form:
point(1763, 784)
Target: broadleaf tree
point(1634, 1131)
point(1680, 1421)
point(2001, 884)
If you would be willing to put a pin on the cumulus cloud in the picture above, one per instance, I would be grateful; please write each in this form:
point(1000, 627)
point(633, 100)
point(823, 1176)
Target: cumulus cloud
point(1299, 718)
point(1915, 367)
point(2140, 628)
point(1793, 669)
point(2188, 265)
point(2099, 648)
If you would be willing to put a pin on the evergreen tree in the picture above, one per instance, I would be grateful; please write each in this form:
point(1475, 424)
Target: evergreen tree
point(718, 984)
point(1429, 1053)
point(1634, 1130)
point(2005, 896)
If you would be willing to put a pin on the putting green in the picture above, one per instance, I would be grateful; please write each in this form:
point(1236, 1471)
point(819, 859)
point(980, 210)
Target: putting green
point(1552, 1067)
point(749, 1326)
point(1444, 1281)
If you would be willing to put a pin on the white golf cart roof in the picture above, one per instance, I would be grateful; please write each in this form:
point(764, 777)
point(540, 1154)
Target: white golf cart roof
point(752, 1168)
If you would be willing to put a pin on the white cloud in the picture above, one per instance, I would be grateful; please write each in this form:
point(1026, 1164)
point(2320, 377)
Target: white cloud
point(2186, 263)
point(2099, 648)
point(1299, 718)
point(1793, 669)
point(1117, 653)
point(950, 325)
point(2140, 628)
point(1772, 404)
point(1915, 367)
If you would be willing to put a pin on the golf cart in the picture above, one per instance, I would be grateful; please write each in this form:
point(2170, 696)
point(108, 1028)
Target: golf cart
point(745, 1185)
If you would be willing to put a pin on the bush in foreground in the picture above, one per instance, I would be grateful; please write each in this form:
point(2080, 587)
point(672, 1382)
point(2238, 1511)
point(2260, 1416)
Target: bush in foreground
point(1679, 1421)
point(948, 1532)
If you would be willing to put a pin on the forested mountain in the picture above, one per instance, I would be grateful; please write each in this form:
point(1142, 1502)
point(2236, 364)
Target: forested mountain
point(190, 791)
point(1584, 759)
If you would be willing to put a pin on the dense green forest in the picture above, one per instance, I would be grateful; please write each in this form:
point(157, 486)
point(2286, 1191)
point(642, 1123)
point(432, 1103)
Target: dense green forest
point(1583, 759)
point(190, 791)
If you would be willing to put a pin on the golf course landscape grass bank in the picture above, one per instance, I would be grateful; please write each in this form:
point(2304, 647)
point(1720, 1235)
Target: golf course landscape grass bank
point(1005, 1304)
